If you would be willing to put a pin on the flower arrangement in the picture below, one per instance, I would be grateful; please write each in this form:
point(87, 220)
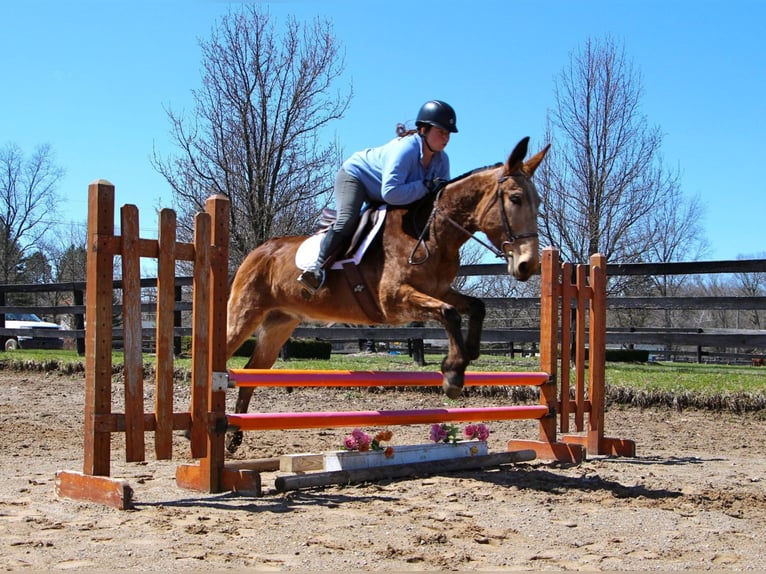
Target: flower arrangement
point(479, 431)
point(448, 433)
point(361, 441)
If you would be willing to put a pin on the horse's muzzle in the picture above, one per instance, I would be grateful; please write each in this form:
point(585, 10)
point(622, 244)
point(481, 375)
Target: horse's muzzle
point(523, 267)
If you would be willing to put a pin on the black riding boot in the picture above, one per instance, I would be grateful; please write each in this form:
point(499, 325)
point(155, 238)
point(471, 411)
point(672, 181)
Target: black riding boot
point(313, 277)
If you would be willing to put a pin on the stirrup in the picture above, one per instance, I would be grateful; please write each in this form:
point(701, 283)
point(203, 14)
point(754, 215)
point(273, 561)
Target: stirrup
point(312, 280)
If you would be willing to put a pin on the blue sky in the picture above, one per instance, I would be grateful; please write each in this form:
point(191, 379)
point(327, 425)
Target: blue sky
point(93, 79)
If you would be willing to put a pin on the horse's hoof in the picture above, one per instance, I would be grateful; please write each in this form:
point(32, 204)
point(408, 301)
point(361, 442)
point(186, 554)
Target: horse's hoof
point(452, 391)
point(235, 439)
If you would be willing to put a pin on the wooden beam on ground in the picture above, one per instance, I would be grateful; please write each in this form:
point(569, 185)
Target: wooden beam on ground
point(100, 489)
point(318, 479)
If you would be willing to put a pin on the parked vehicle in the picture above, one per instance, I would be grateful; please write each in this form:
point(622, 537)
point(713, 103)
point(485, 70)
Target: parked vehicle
point(31, 321)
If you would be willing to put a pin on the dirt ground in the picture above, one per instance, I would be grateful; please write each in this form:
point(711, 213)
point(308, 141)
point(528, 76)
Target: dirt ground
point(693, 498)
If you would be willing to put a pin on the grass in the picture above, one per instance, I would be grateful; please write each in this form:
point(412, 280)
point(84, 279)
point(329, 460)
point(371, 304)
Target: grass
point(678, 378)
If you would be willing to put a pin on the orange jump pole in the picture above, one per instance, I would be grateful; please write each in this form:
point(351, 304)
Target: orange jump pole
point(310, 420)
point(330, 378)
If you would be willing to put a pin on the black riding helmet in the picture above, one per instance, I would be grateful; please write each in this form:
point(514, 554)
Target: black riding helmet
point(439, 114)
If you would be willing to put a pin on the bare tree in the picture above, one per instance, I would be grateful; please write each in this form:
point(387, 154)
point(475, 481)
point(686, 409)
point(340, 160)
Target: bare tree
point(604, 178)
point(256, 133)
point(28, 202)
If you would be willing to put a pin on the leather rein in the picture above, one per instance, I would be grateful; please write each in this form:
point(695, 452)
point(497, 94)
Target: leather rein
point(502, 252)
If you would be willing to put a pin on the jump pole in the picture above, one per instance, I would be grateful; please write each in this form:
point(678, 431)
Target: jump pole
point(347, 419)
point(346, 378)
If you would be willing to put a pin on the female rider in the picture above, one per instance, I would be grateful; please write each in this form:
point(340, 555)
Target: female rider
point(397, 173)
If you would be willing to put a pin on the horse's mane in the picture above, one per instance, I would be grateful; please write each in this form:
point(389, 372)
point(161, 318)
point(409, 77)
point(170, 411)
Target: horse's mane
point(477, 170)
point(417, 214)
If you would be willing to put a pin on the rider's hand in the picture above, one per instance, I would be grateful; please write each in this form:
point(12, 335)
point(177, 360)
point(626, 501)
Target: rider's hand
point(435, 185)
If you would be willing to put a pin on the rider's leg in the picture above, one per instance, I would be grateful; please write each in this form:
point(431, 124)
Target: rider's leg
point(349, 198)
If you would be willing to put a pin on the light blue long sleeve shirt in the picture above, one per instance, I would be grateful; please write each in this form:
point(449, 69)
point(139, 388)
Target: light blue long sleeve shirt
point(393, 173)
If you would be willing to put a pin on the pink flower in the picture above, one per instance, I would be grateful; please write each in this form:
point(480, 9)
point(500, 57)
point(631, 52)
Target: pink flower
point(358, 434)
point(438, 433)
point(349, 443)
point(479, 431)
point(361, 441)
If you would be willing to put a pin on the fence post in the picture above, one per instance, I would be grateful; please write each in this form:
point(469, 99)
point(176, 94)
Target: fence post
point(549, 327)
point(98, 336)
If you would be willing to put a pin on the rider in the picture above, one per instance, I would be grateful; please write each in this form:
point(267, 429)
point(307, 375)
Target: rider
point(397, 173)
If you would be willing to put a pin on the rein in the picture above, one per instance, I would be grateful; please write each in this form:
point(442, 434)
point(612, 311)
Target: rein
point(512, 237)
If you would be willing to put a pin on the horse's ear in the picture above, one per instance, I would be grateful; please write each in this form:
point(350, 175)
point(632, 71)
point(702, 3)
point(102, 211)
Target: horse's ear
point(516, 159)
point(531, 165)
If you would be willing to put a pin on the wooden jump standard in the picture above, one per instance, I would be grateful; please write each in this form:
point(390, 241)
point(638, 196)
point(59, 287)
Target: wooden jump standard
point(564, 287)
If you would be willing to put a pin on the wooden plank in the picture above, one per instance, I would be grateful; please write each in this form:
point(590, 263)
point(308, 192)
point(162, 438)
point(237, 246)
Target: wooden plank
point(580, 330)
point(567, 294)
point(301, 462)
point(217, 208)
point(239, 480)
point(131, 303)
point(550, 291)
point(163, 380)
point(257, 464)
point(596, 353)
point(98, 331)
point(100, 489)
point(609, 446)
point(200, 339)
point(232, 479)
point(558, 451)
point(318, 479)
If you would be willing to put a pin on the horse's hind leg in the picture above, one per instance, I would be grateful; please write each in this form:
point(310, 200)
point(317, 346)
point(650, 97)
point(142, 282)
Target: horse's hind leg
point(272, 334)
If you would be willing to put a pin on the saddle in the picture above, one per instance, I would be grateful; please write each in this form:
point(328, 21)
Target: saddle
point(369, 225)
point(364, 226)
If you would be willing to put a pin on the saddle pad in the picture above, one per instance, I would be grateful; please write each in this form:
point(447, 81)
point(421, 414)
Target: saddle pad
point(309, 249)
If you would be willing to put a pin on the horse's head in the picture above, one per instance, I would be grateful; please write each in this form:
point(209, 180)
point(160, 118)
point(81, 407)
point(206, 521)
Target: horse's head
point(509, 217)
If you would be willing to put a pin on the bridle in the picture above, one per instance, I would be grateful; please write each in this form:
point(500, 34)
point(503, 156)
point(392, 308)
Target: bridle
point(503, 252)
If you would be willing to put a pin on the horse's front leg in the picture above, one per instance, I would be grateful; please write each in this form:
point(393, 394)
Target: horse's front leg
point(273, 332)
point(457, 359)
point(475, 309)
point(235, 437)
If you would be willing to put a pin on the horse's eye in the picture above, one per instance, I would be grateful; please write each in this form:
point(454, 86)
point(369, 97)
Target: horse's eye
point(516, 199)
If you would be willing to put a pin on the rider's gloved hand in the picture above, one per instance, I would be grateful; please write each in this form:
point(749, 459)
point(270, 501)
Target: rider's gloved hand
point(435, 185)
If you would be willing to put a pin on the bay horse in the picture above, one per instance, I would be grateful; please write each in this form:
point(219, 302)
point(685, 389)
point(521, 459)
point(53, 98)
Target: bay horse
point(409, 270)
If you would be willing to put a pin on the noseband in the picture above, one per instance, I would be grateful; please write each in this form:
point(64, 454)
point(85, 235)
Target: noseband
point(502, 252)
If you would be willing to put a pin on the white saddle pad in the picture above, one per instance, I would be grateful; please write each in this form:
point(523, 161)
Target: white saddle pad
point(309, 249)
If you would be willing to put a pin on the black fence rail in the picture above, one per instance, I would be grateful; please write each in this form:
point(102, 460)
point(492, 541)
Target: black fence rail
point(675, 343)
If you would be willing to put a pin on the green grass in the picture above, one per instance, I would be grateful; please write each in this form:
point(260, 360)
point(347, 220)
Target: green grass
point(680, 378)
point(702, 379)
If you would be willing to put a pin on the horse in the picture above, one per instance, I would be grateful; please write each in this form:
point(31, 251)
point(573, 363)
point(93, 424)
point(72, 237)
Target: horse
point(408, 270)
